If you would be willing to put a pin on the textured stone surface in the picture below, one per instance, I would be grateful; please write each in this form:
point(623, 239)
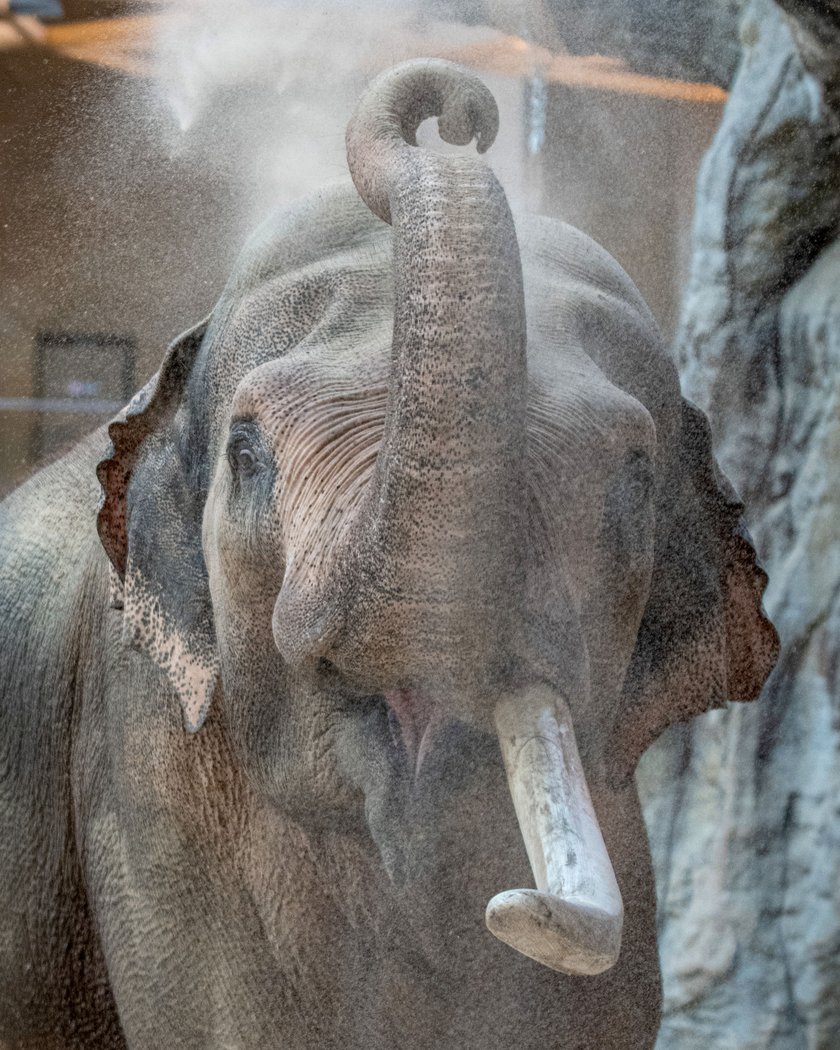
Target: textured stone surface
point(672, 38)
point(743, 805)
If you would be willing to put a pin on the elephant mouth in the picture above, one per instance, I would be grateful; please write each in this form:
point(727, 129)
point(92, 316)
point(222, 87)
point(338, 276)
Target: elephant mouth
point(571, 920)
point(425, 751)
point(414, 721)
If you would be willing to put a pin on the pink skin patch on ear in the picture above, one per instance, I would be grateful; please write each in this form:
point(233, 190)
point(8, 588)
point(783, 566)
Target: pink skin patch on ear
point(190, 664)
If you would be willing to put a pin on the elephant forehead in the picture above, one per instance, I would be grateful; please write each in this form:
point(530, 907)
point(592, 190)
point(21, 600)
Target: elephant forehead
point(580, 418)
point(579, 300)
point(338, 307)
point(582, 431)
point(318, 390)
point(318, 379)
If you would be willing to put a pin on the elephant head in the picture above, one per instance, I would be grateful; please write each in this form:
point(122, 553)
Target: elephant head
point(409, 518)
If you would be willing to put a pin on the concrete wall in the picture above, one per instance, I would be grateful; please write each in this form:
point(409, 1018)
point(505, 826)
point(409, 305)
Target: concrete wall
point(100, 230)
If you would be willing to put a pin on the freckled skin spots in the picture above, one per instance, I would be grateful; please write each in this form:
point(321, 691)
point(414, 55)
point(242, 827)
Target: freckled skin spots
point(400, 471)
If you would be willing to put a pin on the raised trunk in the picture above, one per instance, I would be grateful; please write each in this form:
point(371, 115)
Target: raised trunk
point(423, 597)
point(431, 570)
point(444, 508)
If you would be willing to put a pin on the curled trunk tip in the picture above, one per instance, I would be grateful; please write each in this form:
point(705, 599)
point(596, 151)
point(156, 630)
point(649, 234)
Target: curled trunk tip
point(387, 117)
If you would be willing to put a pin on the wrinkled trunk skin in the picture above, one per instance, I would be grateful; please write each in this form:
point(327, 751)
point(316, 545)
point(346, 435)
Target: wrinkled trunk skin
point(742, 805)
point(431, 568)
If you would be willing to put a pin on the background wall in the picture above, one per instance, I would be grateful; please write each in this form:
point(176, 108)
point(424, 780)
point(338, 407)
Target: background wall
point(102, 228)
point(132, 173)
point(743, 805)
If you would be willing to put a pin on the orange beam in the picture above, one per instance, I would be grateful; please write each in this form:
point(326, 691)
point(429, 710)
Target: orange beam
point(510, 56)
point(127, 44)
point(124, 43)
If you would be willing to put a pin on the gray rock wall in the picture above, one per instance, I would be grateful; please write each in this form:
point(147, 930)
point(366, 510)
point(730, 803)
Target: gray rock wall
point(689, 39)
point(743, 805)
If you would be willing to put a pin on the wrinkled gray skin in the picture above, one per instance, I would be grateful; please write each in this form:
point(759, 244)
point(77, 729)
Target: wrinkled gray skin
point(351, 513)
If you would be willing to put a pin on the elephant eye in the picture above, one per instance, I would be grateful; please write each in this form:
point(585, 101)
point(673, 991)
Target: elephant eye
point(243, 451)
point(246, 460)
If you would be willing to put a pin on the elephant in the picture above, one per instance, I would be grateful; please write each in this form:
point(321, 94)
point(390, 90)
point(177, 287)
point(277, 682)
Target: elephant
point(328, 662)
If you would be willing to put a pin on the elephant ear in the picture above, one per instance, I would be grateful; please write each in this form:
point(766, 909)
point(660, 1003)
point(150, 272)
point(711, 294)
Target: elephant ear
point(149, 522)
point(704, 637)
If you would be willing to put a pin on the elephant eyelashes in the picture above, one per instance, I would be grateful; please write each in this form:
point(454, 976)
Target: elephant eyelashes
point(245, 453)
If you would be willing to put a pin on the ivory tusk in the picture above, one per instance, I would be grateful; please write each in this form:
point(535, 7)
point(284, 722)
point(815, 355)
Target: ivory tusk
point(572, 921)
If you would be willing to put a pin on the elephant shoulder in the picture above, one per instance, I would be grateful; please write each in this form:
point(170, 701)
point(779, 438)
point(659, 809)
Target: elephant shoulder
point(53, 605)
point(50, 558)
point(48, 522)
